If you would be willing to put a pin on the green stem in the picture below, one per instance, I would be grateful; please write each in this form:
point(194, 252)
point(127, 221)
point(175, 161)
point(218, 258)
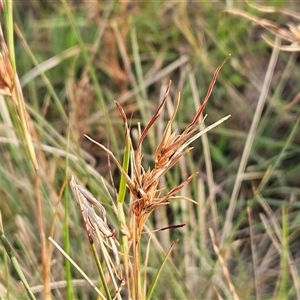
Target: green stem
point(15, 264)
point(121, 214)
point(100, 271)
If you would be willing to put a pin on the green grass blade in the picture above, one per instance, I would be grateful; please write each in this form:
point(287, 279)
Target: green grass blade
point(283, 290)
point(120, 204)
point(15, 264)
point(125, 166)
point(100, 271)
point(44, 77)
point(70, 291)
point(156, 277)
point(8, 15)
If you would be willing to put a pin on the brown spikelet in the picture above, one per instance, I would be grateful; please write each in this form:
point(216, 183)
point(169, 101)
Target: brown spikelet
point(143, 184)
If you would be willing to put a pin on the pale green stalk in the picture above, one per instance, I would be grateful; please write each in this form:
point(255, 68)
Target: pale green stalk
point(70, 291)
point(284, 264)
point(121, 214)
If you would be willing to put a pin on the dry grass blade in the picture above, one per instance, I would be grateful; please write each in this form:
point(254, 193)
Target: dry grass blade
point(155, 116)
point(294, 47)
point(48, 64)
point(219, 297)
point(247, 148)
point(98, 230)
point(290, 34)
point(273, 9)
point(275, 233)
point(77, 267)
point(94, 223)
point(209, 91)
point(224, 268)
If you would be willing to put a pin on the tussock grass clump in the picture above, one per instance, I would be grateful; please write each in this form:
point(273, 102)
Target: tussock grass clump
point(145, 195)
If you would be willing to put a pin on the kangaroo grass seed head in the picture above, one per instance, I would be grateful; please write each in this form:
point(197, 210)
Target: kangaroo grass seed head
point(145, 195)
point(143, 185)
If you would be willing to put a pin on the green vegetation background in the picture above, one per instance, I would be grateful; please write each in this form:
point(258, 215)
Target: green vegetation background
point(71, 74)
